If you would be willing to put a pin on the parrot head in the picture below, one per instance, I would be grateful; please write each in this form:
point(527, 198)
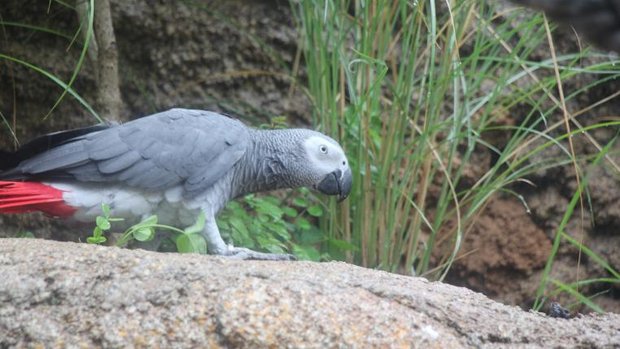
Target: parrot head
point(328, 165)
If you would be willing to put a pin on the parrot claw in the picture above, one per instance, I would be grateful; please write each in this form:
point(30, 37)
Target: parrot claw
point(246, 254)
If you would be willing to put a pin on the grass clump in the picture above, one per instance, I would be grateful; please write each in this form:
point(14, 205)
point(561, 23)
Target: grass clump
point(416, 91)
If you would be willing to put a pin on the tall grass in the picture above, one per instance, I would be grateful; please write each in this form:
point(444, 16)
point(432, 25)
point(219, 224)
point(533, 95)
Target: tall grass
point(414, 90)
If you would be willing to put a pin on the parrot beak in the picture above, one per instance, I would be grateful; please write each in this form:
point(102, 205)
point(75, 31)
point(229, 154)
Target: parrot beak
point(337, 183)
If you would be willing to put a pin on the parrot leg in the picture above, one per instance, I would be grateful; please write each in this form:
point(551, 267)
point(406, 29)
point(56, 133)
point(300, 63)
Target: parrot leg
point(245, 254)
point(217, 246)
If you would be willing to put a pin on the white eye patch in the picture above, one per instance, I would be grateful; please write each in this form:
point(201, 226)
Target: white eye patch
point(324, 154)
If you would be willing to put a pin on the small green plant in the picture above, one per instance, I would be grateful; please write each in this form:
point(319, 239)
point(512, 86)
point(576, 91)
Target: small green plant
point(277, 225)
point(25, 235)
point(279, 121)
point(143, 231)
point(103, 223)
point(260, 222)
point(188, 240)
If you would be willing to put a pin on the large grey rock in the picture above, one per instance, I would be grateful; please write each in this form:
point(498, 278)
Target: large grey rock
point(55, 294)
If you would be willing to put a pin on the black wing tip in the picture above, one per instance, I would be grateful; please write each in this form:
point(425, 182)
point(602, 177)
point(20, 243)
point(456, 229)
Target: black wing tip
point(7, 161)
point(11, 160)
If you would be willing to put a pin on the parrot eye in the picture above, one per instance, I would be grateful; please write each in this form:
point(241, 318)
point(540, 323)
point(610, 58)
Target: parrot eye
point(323, 149)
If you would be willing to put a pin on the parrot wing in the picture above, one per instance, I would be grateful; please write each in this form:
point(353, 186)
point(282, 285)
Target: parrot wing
point(178, 147)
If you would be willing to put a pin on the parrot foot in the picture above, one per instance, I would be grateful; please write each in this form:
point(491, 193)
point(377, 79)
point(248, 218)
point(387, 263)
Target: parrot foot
point(246, 254)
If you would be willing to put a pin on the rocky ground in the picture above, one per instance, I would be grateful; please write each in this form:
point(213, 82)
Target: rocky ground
point(59, 294)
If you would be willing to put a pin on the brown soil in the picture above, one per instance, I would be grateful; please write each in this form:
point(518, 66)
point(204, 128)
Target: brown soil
point(503, 253)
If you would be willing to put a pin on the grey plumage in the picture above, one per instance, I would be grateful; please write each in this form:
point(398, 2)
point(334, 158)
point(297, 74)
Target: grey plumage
point(154, 153)
point(212, 158)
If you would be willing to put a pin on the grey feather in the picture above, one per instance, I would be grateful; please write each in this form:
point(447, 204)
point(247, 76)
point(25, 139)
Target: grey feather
point(147, 180)
point(103, 148)
point(205, 177)
point(68, 155)
point(140, 167)
point(119, 163)
point(156, 152)
point(88, 172)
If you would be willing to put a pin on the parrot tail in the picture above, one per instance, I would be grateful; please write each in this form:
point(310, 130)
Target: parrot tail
point(22, 197)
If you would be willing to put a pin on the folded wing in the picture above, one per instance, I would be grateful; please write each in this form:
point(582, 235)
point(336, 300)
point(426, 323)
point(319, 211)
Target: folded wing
point(184, 147)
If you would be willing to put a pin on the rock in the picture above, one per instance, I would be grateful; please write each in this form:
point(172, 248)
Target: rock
point(58, 294)
point(598, 20)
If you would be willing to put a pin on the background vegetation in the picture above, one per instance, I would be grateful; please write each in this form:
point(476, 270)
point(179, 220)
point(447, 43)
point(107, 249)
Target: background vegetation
point(414, 91)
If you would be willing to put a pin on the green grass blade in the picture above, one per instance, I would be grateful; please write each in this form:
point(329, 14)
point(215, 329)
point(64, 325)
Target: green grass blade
point(78, 66)
point(57, 81)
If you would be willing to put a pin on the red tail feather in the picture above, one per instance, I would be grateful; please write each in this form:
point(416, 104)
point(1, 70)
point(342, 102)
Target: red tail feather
point(22, 197)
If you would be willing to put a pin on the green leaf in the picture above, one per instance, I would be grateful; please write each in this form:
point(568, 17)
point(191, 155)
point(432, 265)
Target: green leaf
point(279, 122)
point(263, 218)
point(198, 226)
point(105, 208)
point(184, 244)
point(311, 236)
point(144, 234)
point(96, 239)
point(250, 199)
point(275, 249)
point(342, 245)
point(239, 226)
point(191, 243)
point(270, 244)
point(234, 205)
point(240, 231)
point(280, 230)
point(152, 220)
point(306, 253)
point(303, 224)
point(97, 232)
point(266, 207)
point(242, 240)
point(25, 235)
point(102, 223)
point(301, 202)
point(290, 212)
point(315, 210)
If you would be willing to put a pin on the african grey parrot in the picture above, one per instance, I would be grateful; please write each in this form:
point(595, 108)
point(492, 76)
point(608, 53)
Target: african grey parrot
point(173, 164)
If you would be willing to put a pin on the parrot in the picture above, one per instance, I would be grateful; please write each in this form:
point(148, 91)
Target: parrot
point(174, 164)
